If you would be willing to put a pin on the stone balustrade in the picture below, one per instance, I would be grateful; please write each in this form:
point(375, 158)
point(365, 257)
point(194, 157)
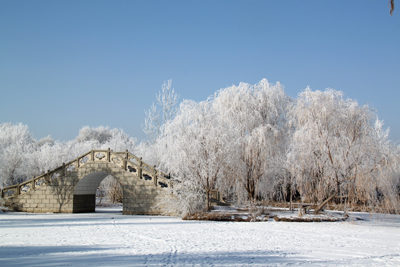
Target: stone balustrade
point(125, 160)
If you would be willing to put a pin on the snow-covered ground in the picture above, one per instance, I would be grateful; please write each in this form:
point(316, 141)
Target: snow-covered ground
point(108, 238)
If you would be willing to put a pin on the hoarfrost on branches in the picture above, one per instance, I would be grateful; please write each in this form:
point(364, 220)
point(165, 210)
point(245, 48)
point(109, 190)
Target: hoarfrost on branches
point(167, 100)
point(258, 115)
point(335, 150)
point(195, 147)
point(16, 143)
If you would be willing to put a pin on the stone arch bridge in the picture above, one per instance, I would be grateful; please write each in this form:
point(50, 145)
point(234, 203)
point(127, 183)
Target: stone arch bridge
point(71, 188)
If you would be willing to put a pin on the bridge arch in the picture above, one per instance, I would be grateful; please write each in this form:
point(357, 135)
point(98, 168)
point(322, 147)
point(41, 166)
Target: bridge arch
point(89, 178)
point(84, 195)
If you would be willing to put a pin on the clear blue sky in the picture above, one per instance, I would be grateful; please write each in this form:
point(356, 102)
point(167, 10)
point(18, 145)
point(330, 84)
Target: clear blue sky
point(67, 64)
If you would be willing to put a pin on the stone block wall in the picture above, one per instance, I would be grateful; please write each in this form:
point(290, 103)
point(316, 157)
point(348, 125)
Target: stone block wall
point(40, 200)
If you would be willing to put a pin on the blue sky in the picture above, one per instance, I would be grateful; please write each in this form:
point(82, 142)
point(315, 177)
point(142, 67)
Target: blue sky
point(67, 64)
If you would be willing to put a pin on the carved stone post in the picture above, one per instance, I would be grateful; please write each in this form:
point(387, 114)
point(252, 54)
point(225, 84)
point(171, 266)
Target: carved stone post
point(155, 176)
point(63, 170)
point(47, 177)
point(126, 160)
point(108, 159)
point(124, 164)
point(140, 168)
point(169, 181)
point(92, 155)
point(18, 192)
point(33, 183)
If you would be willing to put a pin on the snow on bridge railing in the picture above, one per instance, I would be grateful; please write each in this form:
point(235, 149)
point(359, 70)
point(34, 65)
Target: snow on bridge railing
point(124, 160)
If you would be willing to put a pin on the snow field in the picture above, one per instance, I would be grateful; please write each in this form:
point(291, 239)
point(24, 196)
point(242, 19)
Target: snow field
point(112, 239)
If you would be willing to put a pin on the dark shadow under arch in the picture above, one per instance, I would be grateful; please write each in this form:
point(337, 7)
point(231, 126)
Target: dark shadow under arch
point(84, 196)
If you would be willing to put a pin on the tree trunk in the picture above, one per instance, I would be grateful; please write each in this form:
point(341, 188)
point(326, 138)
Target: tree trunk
point(208, 200)
point(320, 207)
point(101, 193)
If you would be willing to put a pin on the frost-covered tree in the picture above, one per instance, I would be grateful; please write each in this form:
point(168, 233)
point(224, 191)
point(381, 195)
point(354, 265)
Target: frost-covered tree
point(195, 147)
point(120, 141)
point(112, 189)
point(148, 152)
point(152, 123)
point(16, 144)
point(100, 134)
point(380, 189)
point(104, 137)
point(45, 141)
point(334, 147)
point(46, 156)
point(167, 100)
point(257, 113)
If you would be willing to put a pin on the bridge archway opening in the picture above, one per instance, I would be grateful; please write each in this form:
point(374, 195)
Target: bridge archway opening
point(84, 197)
point(109, 196)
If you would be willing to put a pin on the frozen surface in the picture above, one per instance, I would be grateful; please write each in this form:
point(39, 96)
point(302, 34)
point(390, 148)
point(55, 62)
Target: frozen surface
point(108, 238)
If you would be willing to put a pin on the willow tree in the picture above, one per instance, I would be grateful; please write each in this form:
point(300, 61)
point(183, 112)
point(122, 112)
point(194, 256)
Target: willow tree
point(334, 148)
point(194, 148)
point(257, 113)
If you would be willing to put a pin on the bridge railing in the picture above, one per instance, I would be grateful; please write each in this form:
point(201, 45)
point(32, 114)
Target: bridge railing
point(147, 172)
point(124, 160)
